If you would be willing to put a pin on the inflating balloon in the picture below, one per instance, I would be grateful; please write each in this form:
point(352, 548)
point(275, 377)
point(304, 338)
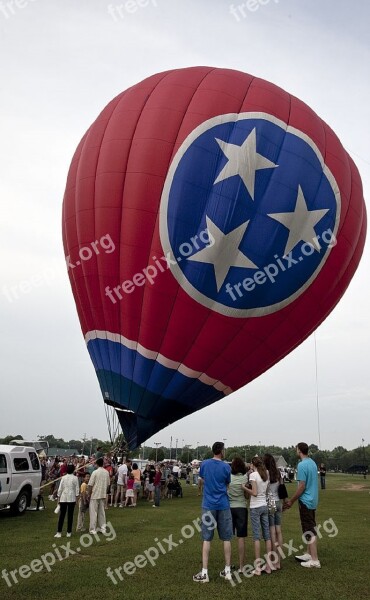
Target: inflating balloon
point(211, 221)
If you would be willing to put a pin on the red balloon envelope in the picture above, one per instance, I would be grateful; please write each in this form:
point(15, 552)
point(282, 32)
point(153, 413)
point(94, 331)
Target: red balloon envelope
point(211, 221)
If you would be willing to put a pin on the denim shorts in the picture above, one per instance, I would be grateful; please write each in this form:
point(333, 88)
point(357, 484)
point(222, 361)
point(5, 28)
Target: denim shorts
point(220, 518)
point(276, 518)
point(260, 518)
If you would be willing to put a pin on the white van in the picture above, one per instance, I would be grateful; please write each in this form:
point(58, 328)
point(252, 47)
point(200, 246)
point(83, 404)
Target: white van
point(20, 477)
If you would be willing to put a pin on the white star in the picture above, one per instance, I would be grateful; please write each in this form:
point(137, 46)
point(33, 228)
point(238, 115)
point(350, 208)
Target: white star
point(223, 252)
point(243, 160)
point(300, 222)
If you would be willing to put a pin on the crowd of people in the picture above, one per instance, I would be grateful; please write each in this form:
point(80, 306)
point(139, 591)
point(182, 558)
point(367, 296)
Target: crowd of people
point(102, 481)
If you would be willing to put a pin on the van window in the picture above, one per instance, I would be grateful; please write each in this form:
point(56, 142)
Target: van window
point(3, 467)
point(34, 461)
point(21, 464)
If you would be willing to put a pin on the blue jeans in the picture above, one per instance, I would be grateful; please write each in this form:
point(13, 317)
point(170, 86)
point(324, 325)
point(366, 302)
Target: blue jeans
point(260, 518)
point(157, 494)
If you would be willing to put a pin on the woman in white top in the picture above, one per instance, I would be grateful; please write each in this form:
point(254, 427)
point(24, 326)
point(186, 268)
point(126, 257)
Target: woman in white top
point(259, 481)
point(275, 519)
point(68, 492)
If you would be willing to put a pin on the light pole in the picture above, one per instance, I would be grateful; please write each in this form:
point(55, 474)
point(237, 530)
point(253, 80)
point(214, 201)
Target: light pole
point(176, 449)
point(197, 450)
point(156, 449)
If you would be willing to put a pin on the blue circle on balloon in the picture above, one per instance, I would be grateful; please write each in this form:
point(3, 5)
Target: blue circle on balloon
point(268, 180)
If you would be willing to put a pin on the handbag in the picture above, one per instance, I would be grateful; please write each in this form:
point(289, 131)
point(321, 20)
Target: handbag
point(282, 491)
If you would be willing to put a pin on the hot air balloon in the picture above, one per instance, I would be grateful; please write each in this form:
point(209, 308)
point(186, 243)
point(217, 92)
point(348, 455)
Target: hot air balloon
point(211, 222)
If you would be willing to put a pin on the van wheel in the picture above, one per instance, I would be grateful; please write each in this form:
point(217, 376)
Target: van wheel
point(20, 505)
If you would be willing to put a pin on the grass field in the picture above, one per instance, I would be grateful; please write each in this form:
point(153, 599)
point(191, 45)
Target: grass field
point(344, 557)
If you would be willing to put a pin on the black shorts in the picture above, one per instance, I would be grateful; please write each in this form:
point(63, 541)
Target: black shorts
point(308, 520)
point(240, 521)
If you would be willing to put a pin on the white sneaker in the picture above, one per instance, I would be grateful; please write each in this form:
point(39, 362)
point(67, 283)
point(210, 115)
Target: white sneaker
point(309, 564)
point(303, 557)
point(69, 534)
point(92, 531)
point(226, 575)
point(58, 535)
point(199, 578)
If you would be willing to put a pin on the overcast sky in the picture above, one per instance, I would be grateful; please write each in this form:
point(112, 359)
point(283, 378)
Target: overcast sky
point(61, 63)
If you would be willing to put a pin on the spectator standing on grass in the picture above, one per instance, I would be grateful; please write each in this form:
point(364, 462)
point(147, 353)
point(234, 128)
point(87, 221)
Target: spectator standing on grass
point(157, 486)
point(63, 468)
point(97, 492)
point(121, 484)
point(216, 476)
point(137, 481)
point(238, 506)
point(130, 490)
point(195, 474)
point(307, 495)
point(322, 471)
point(83, 506)
point(113, 485)
point(151, 475)
point(53, 476)
point(259, 480)
point(275, 478)
point(68, 492)
point(176, 470)
point(171, 488)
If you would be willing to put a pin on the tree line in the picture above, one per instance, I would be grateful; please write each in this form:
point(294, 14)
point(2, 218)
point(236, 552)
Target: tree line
point(338, 459)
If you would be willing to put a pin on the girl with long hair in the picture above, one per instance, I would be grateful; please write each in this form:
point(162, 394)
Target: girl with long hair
point(275, 519)
point(259, 481)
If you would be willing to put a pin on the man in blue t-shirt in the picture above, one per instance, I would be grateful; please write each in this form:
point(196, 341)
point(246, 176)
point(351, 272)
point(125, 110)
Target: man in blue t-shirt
point(307, 495)
point(215, 475)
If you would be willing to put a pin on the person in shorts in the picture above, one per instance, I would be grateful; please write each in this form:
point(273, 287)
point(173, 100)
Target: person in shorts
point(216, 476)
point(275, 479)
point(307, 495)
point(130, 491)
point(238, 506)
